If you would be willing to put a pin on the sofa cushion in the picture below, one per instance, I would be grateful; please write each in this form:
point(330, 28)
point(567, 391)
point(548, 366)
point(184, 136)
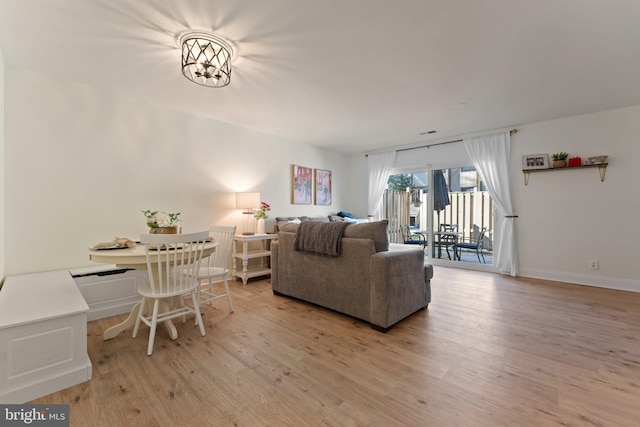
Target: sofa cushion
point(282, 219)
point(302, 218)
point(376, 230)
point(288, 226)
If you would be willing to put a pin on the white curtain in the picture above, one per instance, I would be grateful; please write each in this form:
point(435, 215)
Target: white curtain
point(490, 156)
point(379, 166)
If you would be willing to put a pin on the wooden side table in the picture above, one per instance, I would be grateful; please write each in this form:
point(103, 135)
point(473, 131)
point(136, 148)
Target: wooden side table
point(245, 255)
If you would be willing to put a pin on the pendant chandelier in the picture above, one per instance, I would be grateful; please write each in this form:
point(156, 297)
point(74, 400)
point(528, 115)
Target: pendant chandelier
point(206, 59)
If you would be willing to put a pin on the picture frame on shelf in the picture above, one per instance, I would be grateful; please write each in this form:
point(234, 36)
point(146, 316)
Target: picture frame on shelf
point(301, 185)
point(322, 188)
point(535, 161)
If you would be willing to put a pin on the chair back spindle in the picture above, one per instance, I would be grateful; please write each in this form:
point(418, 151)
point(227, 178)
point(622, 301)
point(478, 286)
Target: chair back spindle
point(217, 268)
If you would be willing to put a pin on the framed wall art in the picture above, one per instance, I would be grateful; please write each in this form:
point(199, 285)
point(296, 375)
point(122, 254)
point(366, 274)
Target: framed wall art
point(322, 187)
point(301, 181)
point(535, 161)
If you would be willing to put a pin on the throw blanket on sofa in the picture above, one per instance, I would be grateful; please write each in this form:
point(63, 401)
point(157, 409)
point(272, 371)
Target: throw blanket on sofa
point(321, 238)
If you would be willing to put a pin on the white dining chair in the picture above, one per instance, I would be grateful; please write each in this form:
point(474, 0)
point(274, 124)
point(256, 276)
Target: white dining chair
point(167, 282)
point(217, 268)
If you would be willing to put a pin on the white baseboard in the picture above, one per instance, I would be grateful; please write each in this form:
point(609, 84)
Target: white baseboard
point(583, 279)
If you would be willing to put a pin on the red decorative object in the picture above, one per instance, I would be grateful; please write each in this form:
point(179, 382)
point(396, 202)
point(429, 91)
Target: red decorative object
point(575, 161)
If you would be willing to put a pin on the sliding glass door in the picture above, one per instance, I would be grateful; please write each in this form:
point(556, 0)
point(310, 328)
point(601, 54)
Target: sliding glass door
point(449, 208)
point(462, 217)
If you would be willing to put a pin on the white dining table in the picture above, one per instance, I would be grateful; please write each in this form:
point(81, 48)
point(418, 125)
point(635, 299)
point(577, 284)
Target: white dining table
point(136, 258)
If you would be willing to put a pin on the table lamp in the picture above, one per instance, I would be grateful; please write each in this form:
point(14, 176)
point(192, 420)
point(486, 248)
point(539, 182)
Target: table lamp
point(249, 202)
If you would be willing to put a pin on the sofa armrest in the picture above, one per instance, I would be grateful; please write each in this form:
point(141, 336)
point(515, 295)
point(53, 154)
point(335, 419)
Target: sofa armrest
point(399, 286)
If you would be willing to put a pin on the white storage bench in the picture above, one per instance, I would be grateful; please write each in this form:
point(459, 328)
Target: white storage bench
point(108, 289)
point(43, 336)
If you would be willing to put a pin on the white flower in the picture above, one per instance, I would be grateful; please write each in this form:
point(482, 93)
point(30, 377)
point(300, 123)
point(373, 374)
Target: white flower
point(157, 219)
point(163, 220)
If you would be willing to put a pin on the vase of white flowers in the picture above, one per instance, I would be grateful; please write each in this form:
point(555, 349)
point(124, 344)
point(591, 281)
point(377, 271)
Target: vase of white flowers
point(162, 223)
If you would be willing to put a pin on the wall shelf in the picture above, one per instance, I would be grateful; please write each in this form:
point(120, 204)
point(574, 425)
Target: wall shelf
point(602, 169)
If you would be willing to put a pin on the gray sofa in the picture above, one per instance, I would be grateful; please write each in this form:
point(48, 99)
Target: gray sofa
point(370, 279)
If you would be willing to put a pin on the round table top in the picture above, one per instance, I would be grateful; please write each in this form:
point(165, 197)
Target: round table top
point(135, 257)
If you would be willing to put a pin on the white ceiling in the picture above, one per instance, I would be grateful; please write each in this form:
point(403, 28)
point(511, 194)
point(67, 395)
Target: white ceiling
point(349, 75)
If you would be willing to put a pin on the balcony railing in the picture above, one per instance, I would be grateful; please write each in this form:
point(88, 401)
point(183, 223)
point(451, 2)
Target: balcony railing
point(472, 211)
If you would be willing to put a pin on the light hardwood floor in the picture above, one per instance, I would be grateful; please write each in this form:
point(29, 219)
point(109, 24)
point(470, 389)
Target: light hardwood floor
point(490, 350)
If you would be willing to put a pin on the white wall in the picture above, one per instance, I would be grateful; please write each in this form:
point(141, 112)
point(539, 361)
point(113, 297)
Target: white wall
point(567, 217)
point(82, 163)
point(2, 165)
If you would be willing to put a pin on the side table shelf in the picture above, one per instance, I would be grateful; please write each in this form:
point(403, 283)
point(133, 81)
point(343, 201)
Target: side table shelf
point(602, 169)
point(243, 255)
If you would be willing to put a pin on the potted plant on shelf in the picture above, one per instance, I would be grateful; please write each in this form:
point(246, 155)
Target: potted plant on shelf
point(559, 159)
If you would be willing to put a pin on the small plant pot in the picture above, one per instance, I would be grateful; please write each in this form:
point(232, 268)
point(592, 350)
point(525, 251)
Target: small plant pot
point(164, 230)
point(559, 164)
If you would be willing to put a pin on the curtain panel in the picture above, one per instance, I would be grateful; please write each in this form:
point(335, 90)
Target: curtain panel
point(379, 166)
point(490, 155)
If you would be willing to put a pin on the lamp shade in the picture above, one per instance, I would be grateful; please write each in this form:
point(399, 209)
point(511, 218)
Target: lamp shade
point(247, 200)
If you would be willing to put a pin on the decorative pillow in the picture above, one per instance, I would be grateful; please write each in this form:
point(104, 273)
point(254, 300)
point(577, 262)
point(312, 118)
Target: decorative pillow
point(377, 231)
point(336, 218)
point(285, 218)
point(345, 214)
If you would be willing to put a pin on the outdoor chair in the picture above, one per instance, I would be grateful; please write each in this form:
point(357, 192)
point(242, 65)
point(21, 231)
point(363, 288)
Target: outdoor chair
point(478, 246)
point(411, 238)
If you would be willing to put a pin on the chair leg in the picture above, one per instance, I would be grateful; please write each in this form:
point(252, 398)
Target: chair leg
point(196, 299)
point(140, 313)
point(154, 324)
point(226, 288)
point(199, 320)
point(181, 302)
point(210, 291)
point(478, 254)
point(207, 289)
point(197, 302)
